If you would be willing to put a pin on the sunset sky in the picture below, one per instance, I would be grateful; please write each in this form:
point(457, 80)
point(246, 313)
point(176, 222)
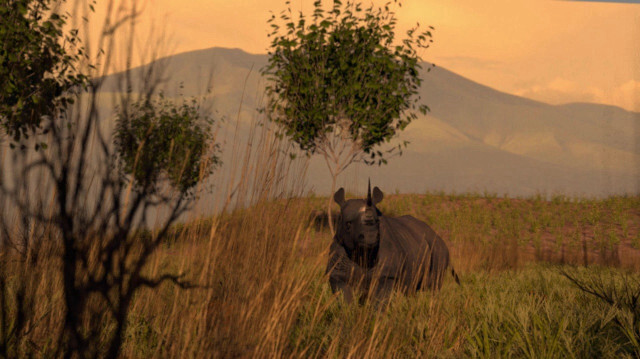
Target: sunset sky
point(548, 50)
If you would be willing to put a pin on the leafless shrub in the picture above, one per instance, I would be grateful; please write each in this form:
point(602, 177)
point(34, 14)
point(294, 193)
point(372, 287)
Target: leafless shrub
point(621, 293)
point(73, 195)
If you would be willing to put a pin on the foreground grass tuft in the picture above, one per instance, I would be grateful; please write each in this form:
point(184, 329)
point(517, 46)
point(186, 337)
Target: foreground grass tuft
point(534, 312)
point(263, 291)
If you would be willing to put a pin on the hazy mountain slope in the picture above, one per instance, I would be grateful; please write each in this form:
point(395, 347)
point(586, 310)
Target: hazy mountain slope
point(558, 134)
point(477, 168)
point(475, 138)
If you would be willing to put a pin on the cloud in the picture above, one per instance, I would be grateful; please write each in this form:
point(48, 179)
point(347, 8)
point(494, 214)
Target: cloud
point(560, 90)
point(471, 62)
point(614, 1)
point(627, 95)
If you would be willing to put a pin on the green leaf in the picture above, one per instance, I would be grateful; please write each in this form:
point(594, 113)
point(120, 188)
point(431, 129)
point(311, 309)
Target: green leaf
point(347, 71)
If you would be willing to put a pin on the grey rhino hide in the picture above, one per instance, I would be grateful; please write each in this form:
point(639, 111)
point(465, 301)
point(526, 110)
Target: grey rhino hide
point(410, 257)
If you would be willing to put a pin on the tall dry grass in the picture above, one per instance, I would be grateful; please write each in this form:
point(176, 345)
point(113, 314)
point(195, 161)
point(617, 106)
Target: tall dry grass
point(264, 293)
point(268, 297)
point(261, 291)
point(257, 268)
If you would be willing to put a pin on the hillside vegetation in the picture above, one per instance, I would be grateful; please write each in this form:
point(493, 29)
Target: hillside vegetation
point(255, 283)
point(262, 291)
point(474, 138)
point(153, 224)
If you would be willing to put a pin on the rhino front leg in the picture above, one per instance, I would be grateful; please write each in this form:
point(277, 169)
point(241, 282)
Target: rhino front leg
point(382, 292)
point(338, 285)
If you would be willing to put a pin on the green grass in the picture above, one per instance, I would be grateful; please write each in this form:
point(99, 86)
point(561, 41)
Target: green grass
point(531, 313)
point(264, 292)
point(510, 304)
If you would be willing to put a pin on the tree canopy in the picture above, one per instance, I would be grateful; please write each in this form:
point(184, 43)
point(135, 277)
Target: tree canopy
point(37, 64)
point(341, 83)
point(157, 138)
point(342, 72)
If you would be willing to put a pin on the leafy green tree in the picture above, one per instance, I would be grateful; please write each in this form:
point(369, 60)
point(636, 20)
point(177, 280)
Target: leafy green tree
point(340, 83)
point(78, 187)
point(37, 64)
point(158, 139)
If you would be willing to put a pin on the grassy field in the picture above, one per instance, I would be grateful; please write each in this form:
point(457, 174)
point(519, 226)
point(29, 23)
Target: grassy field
point(263, 292)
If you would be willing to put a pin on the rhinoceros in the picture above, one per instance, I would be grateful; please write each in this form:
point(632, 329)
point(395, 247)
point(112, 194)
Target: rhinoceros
point(371, 254)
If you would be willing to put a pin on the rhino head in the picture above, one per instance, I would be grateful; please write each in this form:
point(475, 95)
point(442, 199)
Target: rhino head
point(359, 224)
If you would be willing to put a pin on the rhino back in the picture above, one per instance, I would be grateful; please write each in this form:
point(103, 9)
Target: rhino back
point(402, 247)
point(410, 246)
point(435, 242)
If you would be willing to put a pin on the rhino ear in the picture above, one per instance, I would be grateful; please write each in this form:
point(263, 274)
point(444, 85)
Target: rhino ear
point(339, 196)
point(377, 195)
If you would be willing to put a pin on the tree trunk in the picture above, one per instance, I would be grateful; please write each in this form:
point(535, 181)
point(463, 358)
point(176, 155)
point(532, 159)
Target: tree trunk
point(329, 216)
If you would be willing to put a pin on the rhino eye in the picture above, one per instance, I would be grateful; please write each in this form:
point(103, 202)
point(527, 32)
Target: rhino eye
point(348, 224)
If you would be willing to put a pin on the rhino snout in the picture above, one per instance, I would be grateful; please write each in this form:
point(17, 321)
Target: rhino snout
point(369, 239)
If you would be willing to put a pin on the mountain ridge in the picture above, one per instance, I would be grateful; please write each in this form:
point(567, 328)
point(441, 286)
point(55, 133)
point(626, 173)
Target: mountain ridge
point(580, 148)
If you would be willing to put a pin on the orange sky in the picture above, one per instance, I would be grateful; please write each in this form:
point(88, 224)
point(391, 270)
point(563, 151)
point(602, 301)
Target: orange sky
point(554, 51)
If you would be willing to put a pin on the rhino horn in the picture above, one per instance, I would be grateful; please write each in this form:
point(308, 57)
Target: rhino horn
point(369, 203)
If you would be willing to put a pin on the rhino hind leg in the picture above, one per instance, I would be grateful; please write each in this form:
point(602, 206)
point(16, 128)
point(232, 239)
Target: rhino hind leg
point(440, 261)
point(437, 269)
point(434, 282)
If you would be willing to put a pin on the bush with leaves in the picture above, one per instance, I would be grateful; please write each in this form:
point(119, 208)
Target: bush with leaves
point(73, 193)
point(157, 139)
point(340, 83)
point(38, 60)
